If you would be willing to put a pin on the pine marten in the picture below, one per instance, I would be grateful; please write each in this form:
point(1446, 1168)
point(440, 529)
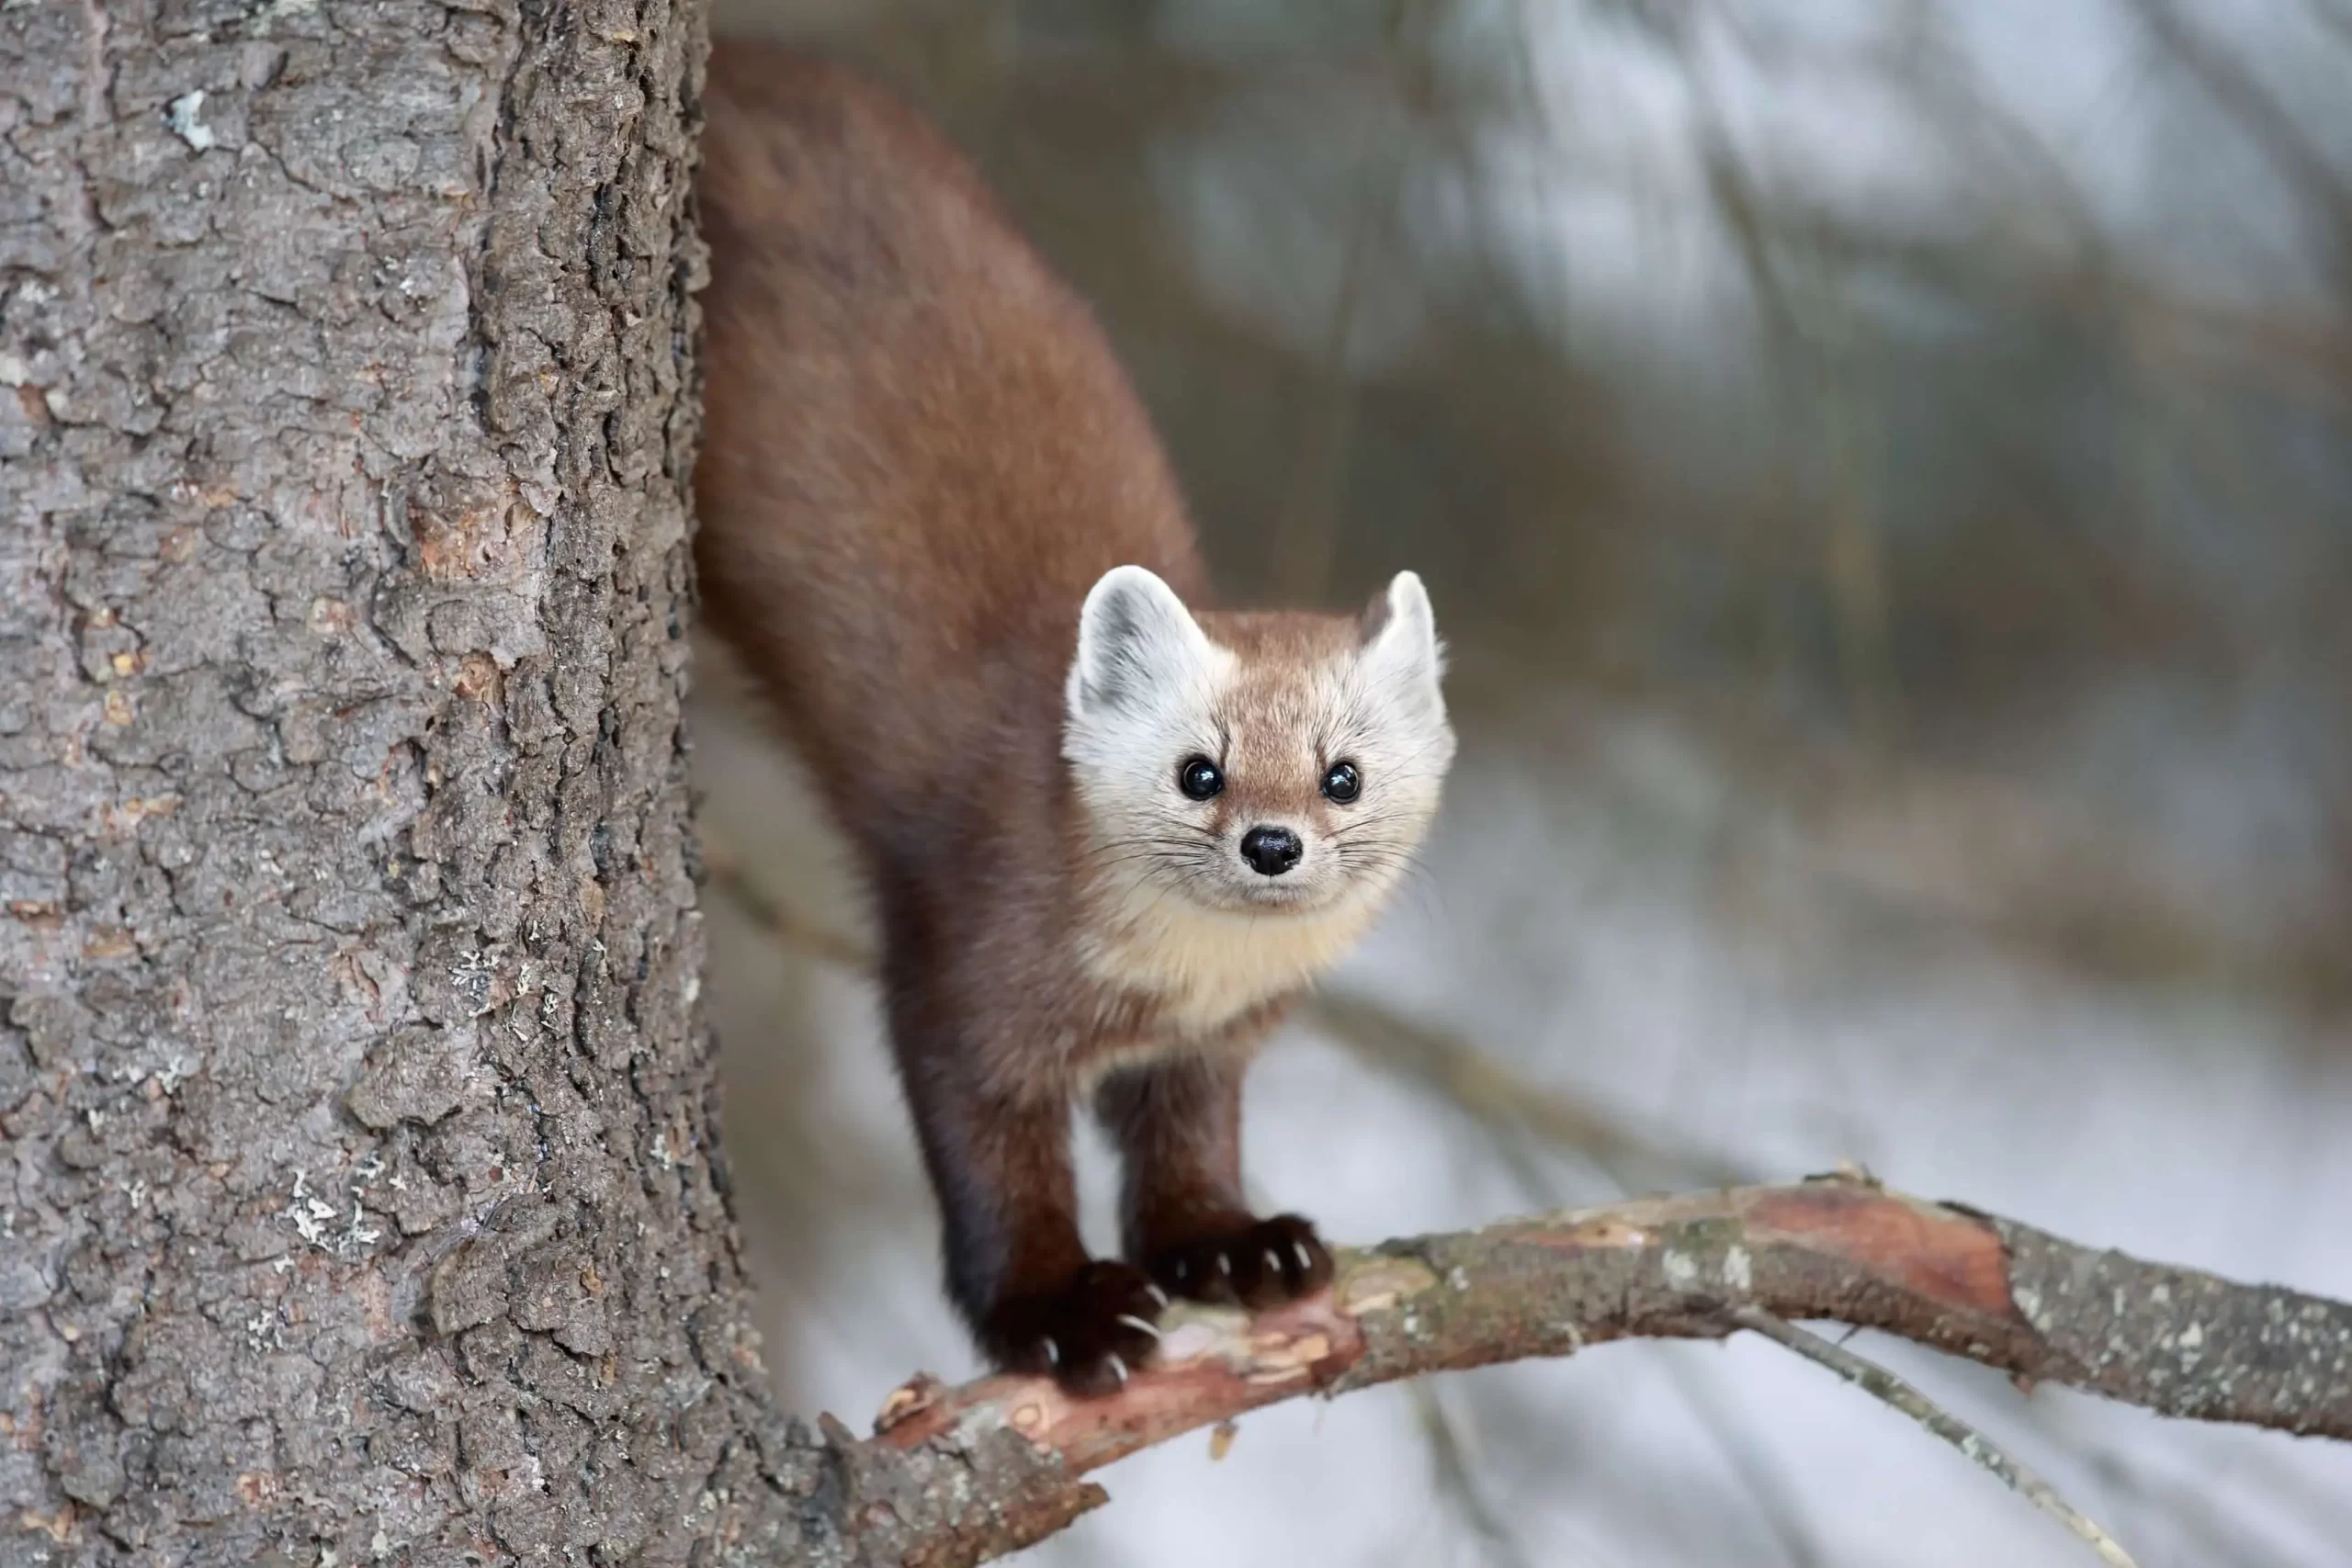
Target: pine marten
point(1108, 831)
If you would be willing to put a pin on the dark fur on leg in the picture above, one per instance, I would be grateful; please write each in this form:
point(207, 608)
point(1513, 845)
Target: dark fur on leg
point(1178, 1125)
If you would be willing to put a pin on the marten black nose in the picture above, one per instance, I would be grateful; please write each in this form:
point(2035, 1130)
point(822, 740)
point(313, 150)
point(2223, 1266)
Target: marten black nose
point(1271, 850)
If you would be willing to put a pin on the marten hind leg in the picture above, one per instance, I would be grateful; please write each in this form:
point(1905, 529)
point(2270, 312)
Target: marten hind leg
point(1181, 1214)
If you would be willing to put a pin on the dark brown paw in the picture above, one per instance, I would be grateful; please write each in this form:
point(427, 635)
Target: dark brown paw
point(1257, 1263)
point(1089, 1334)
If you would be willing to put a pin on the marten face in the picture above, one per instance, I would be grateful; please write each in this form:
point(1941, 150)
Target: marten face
point(1258, 765)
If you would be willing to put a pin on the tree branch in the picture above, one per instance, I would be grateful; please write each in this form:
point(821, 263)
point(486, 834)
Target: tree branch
point(2172, 1341)
point(1888, 1389)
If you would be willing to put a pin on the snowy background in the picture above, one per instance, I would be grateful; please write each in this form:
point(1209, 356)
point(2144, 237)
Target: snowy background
point(1887, 472)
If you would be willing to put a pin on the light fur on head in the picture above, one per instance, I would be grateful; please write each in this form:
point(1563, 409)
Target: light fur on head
point(1275, 706)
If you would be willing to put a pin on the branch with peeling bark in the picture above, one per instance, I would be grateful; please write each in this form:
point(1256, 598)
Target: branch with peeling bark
point(2173, 1340)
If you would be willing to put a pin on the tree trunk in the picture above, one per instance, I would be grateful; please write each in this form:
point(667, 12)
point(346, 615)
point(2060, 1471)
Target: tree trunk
point(360, 1192)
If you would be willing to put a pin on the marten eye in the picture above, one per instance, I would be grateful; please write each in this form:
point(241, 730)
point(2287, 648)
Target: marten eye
point(1341, 784)
point(1200, 778)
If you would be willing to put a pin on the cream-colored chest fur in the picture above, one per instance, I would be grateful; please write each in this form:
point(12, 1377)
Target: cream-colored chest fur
point(1206, 966)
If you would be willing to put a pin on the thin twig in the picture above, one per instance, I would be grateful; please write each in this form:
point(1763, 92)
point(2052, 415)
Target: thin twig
point(1883, 1385)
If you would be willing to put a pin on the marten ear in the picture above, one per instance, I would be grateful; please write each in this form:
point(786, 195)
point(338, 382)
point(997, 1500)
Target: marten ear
point(1401, 652)
point(1134, 637)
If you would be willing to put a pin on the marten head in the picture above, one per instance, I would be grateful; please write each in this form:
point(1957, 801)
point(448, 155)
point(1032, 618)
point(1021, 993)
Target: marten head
point(1255, 763)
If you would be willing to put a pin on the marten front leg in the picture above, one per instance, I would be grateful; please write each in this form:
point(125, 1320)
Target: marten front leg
point(1016, 1267)
point(1178, 1125)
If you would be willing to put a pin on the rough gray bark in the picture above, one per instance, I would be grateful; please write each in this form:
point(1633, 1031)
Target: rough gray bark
point(358, 1193)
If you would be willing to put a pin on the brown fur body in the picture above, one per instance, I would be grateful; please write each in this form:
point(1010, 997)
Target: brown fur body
point(920, 457)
